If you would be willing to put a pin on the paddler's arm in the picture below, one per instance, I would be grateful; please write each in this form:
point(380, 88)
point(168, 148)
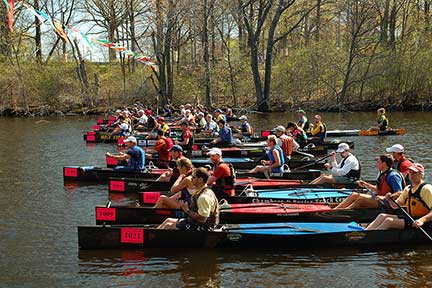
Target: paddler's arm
point(195, 216)
point(419, 222)
point(120, 156)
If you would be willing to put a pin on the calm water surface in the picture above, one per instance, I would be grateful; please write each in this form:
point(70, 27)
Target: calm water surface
point(40, 215)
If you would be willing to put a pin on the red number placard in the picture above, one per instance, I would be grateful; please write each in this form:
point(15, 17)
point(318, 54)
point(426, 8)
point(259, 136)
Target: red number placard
point(117, 185)
point(150, 197)
point(105, 214)
point(70, 172)
point(132, 235)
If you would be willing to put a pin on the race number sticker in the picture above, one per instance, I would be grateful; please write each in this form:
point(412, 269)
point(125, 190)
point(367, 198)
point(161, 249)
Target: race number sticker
point(105, 214)
point(132, 235)
point(117, 185)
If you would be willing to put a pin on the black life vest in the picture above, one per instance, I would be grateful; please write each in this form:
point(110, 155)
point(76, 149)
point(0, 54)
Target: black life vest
point(352, 174)
point(225, 185)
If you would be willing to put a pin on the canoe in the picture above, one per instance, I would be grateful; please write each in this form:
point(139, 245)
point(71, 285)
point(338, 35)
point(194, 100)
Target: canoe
point(263, 236)
point(134, 185)
point(356, 132)
point(237, 213)
point(245, 163)
point(282, 195)
point(98, 174)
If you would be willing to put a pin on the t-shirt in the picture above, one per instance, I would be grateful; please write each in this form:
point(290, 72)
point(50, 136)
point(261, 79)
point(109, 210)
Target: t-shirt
point(403, 166)
point(143, 120)
point(222, 170)
point(161, 148)
point(425, 194)
point(206, 203)
point(137, 158)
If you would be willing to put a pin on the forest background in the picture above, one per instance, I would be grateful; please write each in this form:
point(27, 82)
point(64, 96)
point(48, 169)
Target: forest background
point(265, 55)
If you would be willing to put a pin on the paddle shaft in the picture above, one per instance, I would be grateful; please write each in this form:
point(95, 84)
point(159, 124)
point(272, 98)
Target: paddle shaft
point(313, 163)
point(273, 227)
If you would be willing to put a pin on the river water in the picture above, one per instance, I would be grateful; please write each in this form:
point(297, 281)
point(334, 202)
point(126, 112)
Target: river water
point(40, 215)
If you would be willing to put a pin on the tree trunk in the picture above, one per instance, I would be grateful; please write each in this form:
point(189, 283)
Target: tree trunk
point(38, 38)
point(205, 40)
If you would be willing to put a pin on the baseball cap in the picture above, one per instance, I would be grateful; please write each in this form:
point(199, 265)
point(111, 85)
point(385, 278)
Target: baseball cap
point(218, 111)
point(342, 147)
point(396, 148)
point(214, 151)
point(243, 117)
point(280, 128)
point(130, 139)
point(417, 167)
point(160, 118)
point(177, 148)
point(124, 126)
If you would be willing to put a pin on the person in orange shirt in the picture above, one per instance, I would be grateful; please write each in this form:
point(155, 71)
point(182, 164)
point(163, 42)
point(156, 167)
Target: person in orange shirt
point(223, 178)
point(162, 147)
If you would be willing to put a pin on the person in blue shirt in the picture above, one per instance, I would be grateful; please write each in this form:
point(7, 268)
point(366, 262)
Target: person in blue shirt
point(135, 156)
point(225, 135)
point(275, 155)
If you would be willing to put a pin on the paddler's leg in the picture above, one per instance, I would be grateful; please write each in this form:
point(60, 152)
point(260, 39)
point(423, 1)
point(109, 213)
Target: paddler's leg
point(167, 202)
point(364, 201)
point(323, 179)
point(169, 223)
point(348, 201)
point(385, 222)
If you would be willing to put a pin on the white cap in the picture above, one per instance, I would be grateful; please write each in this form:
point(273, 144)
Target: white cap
point(342, 147)
point(130, 139)
point(124, 126)
point(397, 148)
point(243, 117)
point(214, 151)
point(118, 111)
point(280, 128)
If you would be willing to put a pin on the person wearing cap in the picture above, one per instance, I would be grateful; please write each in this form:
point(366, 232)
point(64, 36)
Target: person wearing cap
point(223, 177)
point(167, 111)
point(162, 147)
point(389, 181)
point(140, 120)
point(297, 133)
point(225, 135)
point(318, 129)
point(245, 131)
point(122, 129)
point(135, 156)
point(162, 125)
point(302, 121)
point(200, 121)
point(275, 156)
point(219, 115)
point(401, 163)
point(173, 173)
point(417, 198)
point(287, 143)
point(203, 212)
point(345, 172)
point(186, 140)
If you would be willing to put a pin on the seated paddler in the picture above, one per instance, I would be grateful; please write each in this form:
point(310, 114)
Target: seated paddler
point(275, 156)
point(388, 181)
point(135, 156)
point(417, 198)
point(203, 212)
point(345, 172)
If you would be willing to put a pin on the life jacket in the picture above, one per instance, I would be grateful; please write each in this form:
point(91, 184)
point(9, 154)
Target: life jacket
point(213, 218)
point(383, 122)
point(224, 186)
point(273, 160)
point(127, 131)
point(286, 145)
point(397, 165)
point(245, 128)
point(382, 185)
point(416, 206)
point(352, 174)
point(139, 162)
point(187, 147)
point(166, 155)
point(323, 131)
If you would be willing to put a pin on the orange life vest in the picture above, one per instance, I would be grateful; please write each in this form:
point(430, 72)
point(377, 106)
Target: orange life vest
point(416, 206)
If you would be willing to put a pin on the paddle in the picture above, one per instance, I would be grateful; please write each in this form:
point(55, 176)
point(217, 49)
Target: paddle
point(271, 227)
point(313, 163)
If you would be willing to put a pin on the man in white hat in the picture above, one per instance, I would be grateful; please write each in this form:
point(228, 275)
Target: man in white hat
point(347, 171)
point(135, 156)
point(401, 163)
point(223, 177)
point(287, 143)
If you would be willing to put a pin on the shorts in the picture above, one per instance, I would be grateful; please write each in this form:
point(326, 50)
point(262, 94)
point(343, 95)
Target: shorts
point(408, 222)
point(343, 180)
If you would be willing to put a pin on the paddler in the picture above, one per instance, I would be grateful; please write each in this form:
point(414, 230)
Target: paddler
point(162, 147)
point(302, 121)
point(186, 139)
point(287, 143)
point(389, 181)
point(298, 133)
point(275, 156)
point(347, 171)
point(203, 213)
point(223, 178)
point(382, 121)
point(174, 173)
point(245, 131)
point(318, 129)
point(225, 135)
point(417, 198)
point(401, 163)
point(135, 156)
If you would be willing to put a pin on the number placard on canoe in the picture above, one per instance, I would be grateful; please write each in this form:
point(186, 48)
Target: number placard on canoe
point(150, 197)
point(105, 214)
point(132, 235)
point(117, 185)
point(70, 172)
point(111, 161)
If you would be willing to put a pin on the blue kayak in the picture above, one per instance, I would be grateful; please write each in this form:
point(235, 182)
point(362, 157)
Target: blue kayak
point(294, 228)
point(226, 159)
point(302, 193)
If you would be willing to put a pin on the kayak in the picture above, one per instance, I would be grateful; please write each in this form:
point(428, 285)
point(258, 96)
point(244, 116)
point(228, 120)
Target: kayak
point(264, 236)
point(237, 213)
